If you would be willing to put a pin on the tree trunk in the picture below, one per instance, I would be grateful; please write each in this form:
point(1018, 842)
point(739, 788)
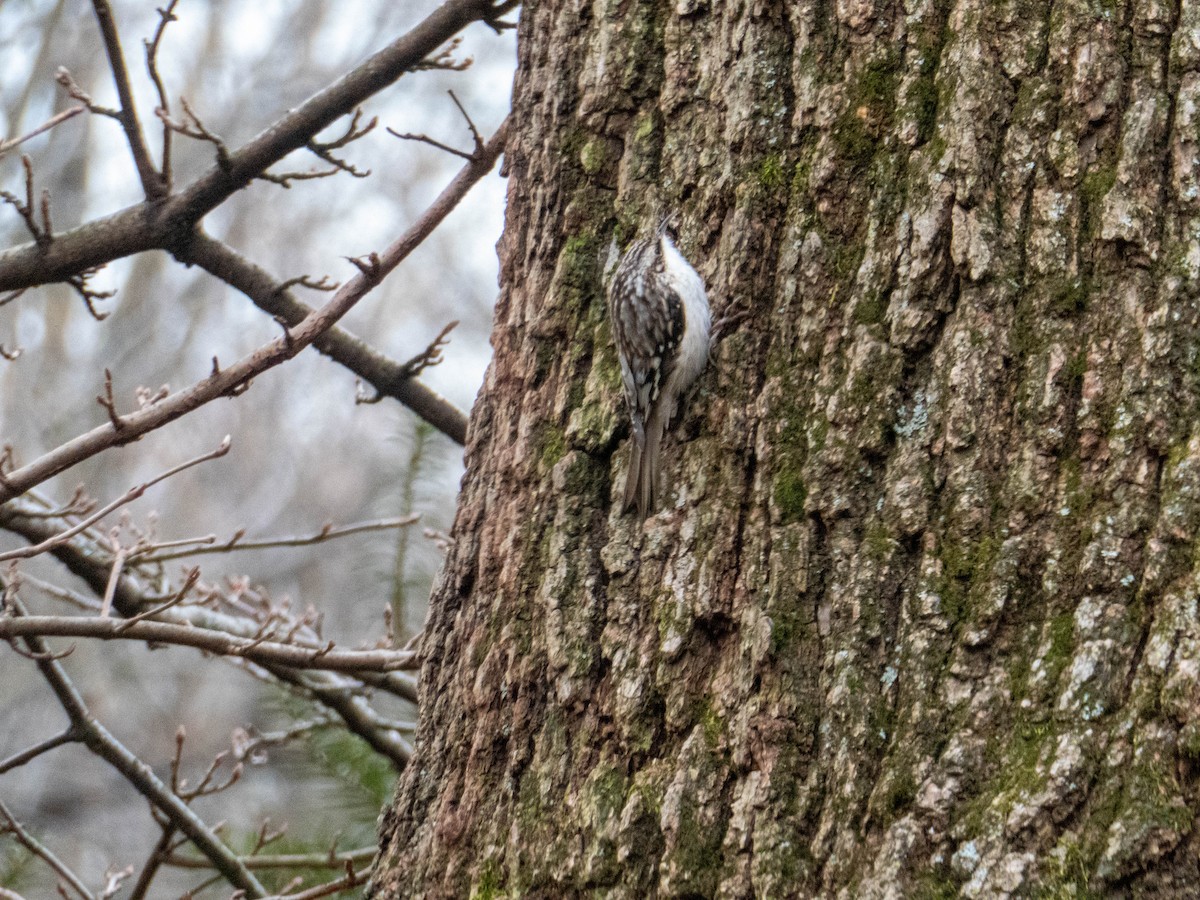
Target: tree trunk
point(919, 616)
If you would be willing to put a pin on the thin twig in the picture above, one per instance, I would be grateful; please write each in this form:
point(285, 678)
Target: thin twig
point(431, 355)
point(152, 182)
point(159, 855)
point(263, 650)
point(285, 179)
point(114, 578)
point(64, 77)
point(286, 860)
point(25, 208)
point(475, 135)
point(322, 149)
point(19, 759)
point(235, 543)
point(189, 582)
point(80, 504)
point(252, 746)
point(192, 127)
point(42, 852)
point(69, 113)
point(166, 16)
point(426, 139)
point(41, 657)
point(128, 497)
point(444, 59)
point(349, 880)
point(89, 296)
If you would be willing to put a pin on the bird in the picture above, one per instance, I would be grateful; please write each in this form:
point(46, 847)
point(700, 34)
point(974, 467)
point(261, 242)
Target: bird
point(662, 326)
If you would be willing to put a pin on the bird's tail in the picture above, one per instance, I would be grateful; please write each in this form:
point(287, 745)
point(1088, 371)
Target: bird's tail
point(643, 482)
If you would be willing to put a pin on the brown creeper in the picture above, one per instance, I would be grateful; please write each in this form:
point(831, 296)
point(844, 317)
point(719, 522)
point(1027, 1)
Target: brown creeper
point(661, 324)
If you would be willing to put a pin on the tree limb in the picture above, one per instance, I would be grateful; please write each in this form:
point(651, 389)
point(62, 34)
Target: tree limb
point(257, 650)
point(331, 860)
point(153, 184)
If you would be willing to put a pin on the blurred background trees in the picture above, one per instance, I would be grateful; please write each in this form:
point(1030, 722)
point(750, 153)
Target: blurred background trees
point(304, 452)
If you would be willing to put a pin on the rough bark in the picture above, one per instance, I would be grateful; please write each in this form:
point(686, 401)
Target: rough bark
point(920, 618)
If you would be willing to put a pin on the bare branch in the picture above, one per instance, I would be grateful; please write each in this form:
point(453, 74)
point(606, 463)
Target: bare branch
point(253, 746)
point(236, 376)
point(114, 577)
point(431, 355)
point(285, 179)
point(128, 497)
point(42, 656)
point(324, 284)
point(192, 127)
point(263, 650)
point(162, 850)
point(64, 77)
point(329, 860)
point(69, 113)
point(327, 533)
point(323, 149)
point(338, 693)
point(351, 134)
point(266, 836)
point(25, 209)
point(351, 879)
point(493, 20)
point(19, 759)
point(109, 402)
point(425, 139)
point(153, 183)
point(475, 135)
point(444, 59)
point(80, 283)
point(205, 787)
point(166, 16)
point(80, 504)
point(188, 583)
point(42, 852)
point(47, 227)
point(352, 710)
